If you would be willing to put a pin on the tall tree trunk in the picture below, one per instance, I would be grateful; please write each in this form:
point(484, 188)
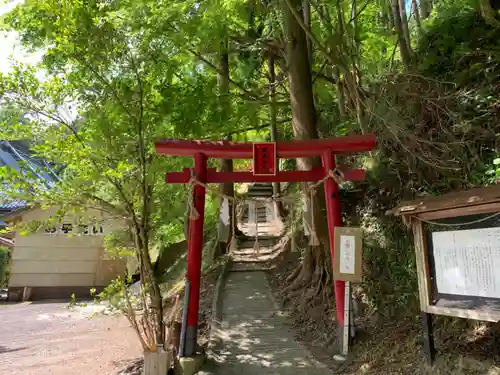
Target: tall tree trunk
point(149, 281)
point(355, 31)
point(487, 12)
point(307, 20)
point(390, 15)
point(383, 19)
point(416, 13)
point(356, 73)
point(425, 8)
point(299, 80)
point(226, 165)
point(403, 47)
point(340, 94)
point(404, 23)
point(272, 117)
point(304, 127)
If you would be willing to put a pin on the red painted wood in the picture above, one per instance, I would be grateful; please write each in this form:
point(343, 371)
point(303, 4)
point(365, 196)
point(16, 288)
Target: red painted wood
point(195, 242)
point(334, 219)
point(215, 177)
point(265, 162)
point(285, 149)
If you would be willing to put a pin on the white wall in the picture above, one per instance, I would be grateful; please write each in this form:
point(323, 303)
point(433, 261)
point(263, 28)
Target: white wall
point(47, 260)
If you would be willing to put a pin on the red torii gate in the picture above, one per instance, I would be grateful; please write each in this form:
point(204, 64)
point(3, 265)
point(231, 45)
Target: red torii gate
point(265, 169)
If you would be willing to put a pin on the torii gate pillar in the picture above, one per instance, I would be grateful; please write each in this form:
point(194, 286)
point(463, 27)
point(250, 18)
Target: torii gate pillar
point(194, 255)
point(334, 216)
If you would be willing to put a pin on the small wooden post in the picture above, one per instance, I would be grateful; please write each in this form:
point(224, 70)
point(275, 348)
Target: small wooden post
point(176, 335)
point(347, 339)
point(157, 363)
point(428, 337)
point(26, 294)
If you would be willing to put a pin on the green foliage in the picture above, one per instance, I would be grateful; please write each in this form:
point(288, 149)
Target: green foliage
point(117, 114)
point(460, 48)
point(391, 279)
point(493, 173)
point(4, 266)
point(119, 297)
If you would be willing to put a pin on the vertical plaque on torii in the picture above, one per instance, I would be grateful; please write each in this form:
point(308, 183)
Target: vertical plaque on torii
point(265, 160)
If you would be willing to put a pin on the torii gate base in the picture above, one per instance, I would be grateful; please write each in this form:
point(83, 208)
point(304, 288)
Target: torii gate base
point(265, 169)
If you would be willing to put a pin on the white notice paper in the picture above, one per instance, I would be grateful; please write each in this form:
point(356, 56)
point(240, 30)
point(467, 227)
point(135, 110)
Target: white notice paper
point(224, 211)
point(467, 262)
point(347, 254)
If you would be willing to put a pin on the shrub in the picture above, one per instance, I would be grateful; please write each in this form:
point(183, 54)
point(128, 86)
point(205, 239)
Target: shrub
point(4, 265)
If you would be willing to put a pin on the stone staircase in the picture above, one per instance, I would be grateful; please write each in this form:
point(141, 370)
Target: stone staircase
point(252, 335)
point(264, 213)
point(267, 232)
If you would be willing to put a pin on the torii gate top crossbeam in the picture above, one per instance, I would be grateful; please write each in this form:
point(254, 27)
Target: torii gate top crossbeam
point(284, 149)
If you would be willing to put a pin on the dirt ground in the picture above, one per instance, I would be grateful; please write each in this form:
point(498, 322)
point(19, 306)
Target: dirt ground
point(49, 338)
point(207, 289)
point(392, 346)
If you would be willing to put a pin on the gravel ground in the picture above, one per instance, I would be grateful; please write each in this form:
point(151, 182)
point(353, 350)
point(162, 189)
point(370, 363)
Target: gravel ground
point(49, 338)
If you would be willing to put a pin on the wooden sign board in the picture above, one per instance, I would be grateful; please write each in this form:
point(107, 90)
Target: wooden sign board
point(457, 262)
point(457, 251)
point(348, 254)
point(265, 161)
point(466, 262)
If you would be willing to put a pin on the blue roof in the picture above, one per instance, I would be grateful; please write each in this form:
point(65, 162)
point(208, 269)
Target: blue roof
point(10, 205)
point(15, 153)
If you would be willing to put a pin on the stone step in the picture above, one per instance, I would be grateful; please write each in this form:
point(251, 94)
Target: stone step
point(259, 216)
point(260, 210)
point(260, 188)
point(264, 230)
point(250, 251)
point(246, 267)
point(260, 220)
point(263, 242)
point(256, 189)
point(261, 185)
point(260, 195)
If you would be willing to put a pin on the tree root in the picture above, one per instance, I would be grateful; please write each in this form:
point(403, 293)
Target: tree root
point(295, 273)
point(301, 280)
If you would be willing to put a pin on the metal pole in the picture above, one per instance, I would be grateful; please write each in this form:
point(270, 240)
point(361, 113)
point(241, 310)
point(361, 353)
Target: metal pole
point(184, 319)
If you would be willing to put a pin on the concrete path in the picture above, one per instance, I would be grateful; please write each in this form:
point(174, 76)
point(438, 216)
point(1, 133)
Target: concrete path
point(255, 337)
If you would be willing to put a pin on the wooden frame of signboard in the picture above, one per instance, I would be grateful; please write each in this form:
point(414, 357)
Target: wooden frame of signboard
point(469, 210)
point(356, 236)
point(348, 266)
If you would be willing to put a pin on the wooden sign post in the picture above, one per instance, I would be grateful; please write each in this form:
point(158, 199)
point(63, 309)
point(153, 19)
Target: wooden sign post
point(457, 249)
point(348, 267)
